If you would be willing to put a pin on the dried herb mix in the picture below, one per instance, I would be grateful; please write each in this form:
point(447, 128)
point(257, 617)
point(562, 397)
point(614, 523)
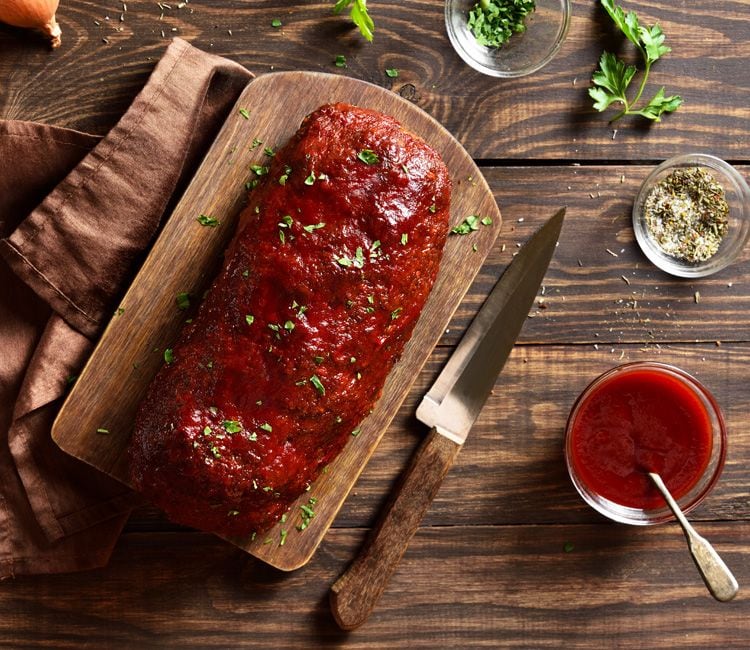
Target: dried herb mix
point(686, 214)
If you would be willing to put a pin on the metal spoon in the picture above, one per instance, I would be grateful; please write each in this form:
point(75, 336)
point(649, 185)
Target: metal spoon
point(717, 576)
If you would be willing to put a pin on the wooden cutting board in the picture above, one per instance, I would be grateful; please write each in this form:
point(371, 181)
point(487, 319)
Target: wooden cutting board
point(96, 420)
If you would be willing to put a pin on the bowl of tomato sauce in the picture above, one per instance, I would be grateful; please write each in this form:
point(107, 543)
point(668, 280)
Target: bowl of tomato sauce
point(638, 418)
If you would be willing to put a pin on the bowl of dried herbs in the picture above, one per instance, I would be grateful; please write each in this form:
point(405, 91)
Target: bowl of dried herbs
point(691, 216)
point(507, 38)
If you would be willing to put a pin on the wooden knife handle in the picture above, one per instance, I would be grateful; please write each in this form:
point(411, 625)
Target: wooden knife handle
point(354, 595)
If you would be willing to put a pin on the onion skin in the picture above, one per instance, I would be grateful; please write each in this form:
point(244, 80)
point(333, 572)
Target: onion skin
point(33, 14)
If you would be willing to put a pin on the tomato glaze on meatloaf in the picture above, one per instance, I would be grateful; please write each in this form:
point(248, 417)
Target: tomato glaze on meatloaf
point(321, 287)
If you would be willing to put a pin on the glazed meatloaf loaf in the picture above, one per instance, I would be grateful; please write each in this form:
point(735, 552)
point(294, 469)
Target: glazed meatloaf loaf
point(335, 255)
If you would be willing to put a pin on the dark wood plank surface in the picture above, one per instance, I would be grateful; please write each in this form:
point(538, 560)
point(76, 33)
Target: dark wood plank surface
point(488, 567)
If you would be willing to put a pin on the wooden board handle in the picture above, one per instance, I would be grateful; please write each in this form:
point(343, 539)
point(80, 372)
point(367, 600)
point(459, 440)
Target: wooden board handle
point(354, 595)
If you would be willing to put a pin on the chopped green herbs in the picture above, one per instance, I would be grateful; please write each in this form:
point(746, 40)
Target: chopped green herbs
point(289, 326)
point(568, 547)
point(276, 23)
point(340, 61)
point(205, 220)
point(267, 151)
point(231, 426)
point(282, 539)
point(260, 170)
point(183, 300)
point(282, 237)
point(470, 224)
point(404, 239)
point(215, 451)
point(315, 381)
point(313, 226)
point(120, 311)
point(356, 432)
point(245, 113)
point(102, 430)
point(266, 427)
point(310, 179)
point(493, 22)
point(256, 143)
point(396, 313)
point(307, 513)
point(168, 355)
point(392, 73)
point(344, 261)
point(286, 221)
point(249, 319)
point(368, 156)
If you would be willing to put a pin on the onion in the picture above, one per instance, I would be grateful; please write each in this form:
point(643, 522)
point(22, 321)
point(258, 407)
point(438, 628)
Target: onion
point(33, 14)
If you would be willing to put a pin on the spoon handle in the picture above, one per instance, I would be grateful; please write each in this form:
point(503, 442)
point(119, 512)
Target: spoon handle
point(717, 576)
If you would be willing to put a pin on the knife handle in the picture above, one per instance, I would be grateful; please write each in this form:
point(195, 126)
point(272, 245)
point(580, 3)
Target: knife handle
point(354, 595)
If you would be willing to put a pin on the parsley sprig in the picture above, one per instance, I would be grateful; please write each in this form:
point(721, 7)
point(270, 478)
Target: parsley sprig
point(612, 78)
point(358, 14)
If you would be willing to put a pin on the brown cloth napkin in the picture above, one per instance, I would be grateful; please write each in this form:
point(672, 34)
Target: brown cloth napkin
point(64, 261)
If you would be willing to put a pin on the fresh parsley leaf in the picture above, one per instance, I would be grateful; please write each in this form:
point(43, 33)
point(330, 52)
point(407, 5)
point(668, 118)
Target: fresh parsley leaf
point(183, 300)
point(391, 72)
point(205, 220)
point(276, 23)
point(659, 105)
point(168, 355)
point(612, 79)
point(231, 426)
point(315, 381)
point(340, 61)
point(358, 14)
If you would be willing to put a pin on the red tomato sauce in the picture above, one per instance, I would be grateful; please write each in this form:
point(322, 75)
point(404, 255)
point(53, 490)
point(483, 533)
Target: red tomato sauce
point(638, 421)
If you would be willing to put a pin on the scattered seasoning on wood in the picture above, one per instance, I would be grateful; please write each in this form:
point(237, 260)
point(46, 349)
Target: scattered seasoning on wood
point(493, 22)
point(686, 214)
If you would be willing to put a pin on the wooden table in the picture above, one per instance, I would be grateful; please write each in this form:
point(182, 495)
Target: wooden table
point(508, 555)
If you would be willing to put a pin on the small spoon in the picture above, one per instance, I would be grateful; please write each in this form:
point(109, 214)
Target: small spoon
point(717, 576)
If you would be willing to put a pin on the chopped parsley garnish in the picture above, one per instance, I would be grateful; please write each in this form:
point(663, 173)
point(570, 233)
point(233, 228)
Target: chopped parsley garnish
point(266, 427)
point(487, 221)
point(371, 299)
point(249, 319)
point(183, 300)
point(289, 326)
point(368, 156)
point(251, 185)
point(253, 437)
point(273, 326)
point(256, 143)
point(432, 208)
point(269, 152)
point(356, 432)
point(205, 220)
point(260, 170)
point(315, 381)
point(468, 225)
point(359, 258)
point(310, 179)
point(168, 355)
point(282, 237)
point(282, 541)
point(313, 226)
point(215, 451)
point(231, 426)
point(245, 113)
point(276, 23)
point(206, 431)
point(120, 311)
point(396, 313)
point(391, 72)
point(307, 513)
point(340, 61)
point(286, 221)
point(318, 360)
point(344, 261)
point(404, 239)
point(102, 430)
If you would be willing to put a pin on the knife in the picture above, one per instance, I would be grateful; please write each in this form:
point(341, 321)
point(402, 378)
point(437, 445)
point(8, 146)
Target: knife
point(449, 408)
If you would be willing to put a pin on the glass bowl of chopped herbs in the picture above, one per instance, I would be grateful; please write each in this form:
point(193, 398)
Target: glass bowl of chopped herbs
point(507, 38)
point(692, 215)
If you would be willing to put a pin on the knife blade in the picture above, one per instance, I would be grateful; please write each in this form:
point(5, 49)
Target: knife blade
point(450, 407)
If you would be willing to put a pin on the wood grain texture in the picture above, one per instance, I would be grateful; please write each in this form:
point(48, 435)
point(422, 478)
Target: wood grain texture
point(457, 587)
point(600, 288)
point(103, 62)
point(356, 593)
point(107, 394)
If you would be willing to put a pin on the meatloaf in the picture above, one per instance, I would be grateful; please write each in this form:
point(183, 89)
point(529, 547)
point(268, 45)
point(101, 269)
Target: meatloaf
point(320, 289)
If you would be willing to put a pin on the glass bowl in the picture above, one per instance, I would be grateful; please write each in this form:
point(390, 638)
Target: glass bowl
point(695, 494)
point(737, 195)
point(524, 52)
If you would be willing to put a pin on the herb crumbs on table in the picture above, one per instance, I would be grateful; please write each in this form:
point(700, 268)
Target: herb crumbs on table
point(276, 23)
point(245, 113)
